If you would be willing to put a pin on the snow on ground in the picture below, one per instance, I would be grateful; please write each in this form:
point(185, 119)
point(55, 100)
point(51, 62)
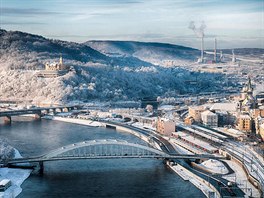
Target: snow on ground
point(17, 177)
point(232, 132)
point(144, 126)
point(240, 177)
point(78, 121)
point(64, 114)
point(214, 166)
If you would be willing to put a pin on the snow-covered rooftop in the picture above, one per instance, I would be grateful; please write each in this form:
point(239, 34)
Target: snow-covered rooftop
point(196, 141)
point(167, 107)
point(207, 112)
point(224, 106)
point(245, 116)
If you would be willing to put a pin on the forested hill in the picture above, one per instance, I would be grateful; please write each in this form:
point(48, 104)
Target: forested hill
point(127, 71)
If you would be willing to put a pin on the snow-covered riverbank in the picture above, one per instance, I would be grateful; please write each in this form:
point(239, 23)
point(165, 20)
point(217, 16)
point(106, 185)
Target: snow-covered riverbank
point(75, 121)
point(17, 177)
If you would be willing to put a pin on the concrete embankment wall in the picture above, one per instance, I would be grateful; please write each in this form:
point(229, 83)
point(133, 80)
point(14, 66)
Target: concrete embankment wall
point(189, 174)
point(251, 179)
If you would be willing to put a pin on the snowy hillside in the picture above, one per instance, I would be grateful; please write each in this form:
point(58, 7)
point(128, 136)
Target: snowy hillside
point(19, 50)
point(123, 75)
point(26, 51)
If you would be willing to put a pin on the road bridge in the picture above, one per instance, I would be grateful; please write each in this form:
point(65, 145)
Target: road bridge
point(38, 111)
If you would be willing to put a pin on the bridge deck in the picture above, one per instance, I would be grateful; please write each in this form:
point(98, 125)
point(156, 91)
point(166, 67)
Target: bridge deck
point(34, 110)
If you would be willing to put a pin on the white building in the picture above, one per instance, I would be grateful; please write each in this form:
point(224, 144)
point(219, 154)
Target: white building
point(209, 118)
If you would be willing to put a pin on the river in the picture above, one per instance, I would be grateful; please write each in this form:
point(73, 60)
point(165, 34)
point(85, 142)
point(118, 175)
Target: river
point(90, 178)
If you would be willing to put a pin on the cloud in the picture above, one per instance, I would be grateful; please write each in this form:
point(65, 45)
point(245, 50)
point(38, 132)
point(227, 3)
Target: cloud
point(25, 12)
point(21, 23)
point(145, 20)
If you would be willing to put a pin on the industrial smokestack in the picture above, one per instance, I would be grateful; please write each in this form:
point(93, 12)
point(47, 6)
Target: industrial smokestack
point(233, 56)
point(200, 34)
point(215, 50)
point(221, 56)
point(202, 49)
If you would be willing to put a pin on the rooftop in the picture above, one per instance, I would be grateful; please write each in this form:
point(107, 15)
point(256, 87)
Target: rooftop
point(224, 106)
point(207, 112)
point(245, 116)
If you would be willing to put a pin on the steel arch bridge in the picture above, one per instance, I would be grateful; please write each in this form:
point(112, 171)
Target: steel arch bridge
point(104, 149)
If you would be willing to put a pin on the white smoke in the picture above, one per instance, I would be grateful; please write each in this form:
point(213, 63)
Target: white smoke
point(198, 31)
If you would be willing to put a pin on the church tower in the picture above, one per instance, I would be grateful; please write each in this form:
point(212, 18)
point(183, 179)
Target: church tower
point(247, 98)
point(61, 61)
point(61, 66)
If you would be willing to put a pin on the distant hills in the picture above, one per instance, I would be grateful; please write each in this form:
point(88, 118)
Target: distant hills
point(23, 50)
point(155, 53)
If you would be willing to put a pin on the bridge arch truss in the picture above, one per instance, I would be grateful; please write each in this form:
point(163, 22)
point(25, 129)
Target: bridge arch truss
point(103, 149)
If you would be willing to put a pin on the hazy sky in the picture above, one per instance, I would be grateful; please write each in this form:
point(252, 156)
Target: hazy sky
point(236, 23)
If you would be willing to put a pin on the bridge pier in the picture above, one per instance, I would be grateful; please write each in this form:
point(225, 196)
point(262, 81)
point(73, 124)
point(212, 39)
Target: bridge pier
point(58, 110)
point(41, 168)
point(45, 112)
point(7, 120)
point(37, 116)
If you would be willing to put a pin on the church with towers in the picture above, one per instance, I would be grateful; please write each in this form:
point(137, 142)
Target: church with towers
point(247, 100)
point(250, 111)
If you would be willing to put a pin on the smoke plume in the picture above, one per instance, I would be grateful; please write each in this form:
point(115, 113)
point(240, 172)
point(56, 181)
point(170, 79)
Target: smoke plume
point(198, 31)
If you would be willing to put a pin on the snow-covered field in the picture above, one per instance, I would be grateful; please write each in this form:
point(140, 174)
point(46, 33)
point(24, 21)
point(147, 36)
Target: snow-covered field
point(17, 177)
